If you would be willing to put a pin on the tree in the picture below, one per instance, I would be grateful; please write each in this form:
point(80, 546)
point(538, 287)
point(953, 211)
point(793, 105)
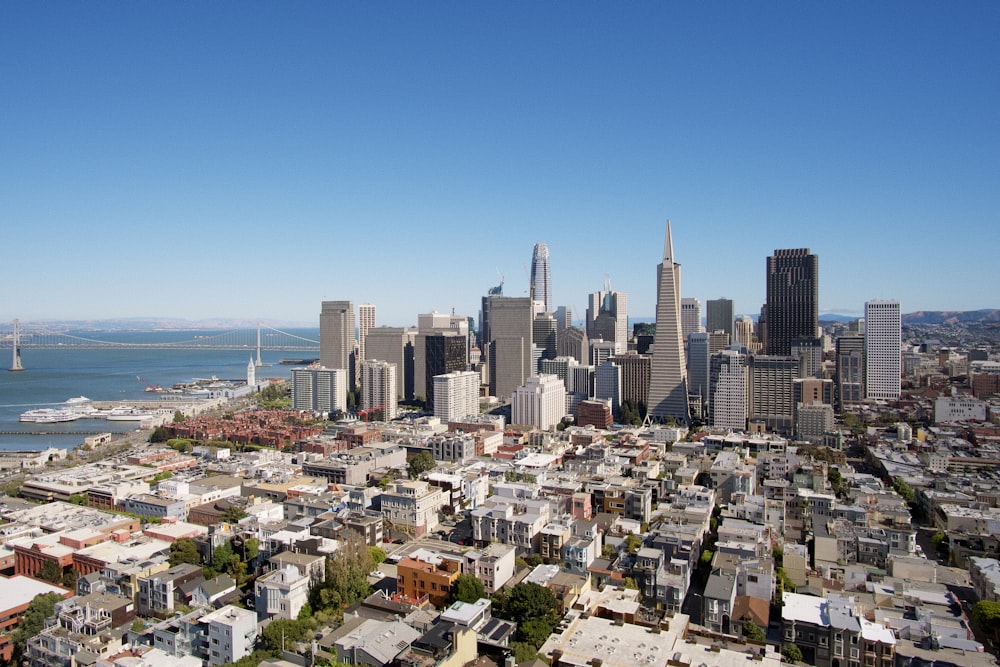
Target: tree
point(378, 555)
point(159, 434)
point(986, 615)
point(419, 464)
point(608, 551)
point(791, 652)
point(282, 633)
point(904, 490)
point(78, 499)
point(835, 479)
point(752, 631)
point(40, 608)
point(468, 588)
point(184, 550)
point(69, 579)
point(233, 514)
point(631, 584)
point(632, 543)
point(51, 571)
point(178, 416)
point(534, 608)
point(346, 579)
point(523, 651)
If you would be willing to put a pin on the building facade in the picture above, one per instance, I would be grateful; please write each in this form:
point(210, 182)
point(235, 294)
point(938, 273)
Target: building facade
point(792, 309)
point(540, 402)
point(668, 395)
point(456, 395)
point(319, 389)
point(883, 350)
point(336, 334)
point(378, 388)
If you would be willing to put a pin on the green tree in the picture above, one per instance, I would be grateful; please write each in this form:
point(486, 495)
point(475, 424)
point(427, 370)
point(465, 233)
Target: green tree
point(178, 416)
point(159, 434)
point(986, 615)
point(523, 651)
point(753, 631)
point(526, 602)
point(419, 464)
point(51, 571)
point(632, 543)
point(904, 490)
point(836, 480)
point(78, 499)
point(282, 633)
point(184, 550)
point(468, 588)
point(40, 608)
point(346, 579)
point(631, 584)
point(791, 652)
point(378, 555)
point(69, 579)
point(608, 551)
point(234, 514)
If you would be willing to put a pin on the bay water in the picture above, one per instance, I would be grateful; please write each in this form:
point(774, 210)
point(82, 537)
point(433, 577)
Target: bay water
point(53, 375)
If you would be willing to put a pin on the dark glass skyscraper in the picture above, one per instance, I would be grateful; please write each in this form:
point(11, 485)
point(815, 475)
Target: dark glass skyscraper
point(792, 299)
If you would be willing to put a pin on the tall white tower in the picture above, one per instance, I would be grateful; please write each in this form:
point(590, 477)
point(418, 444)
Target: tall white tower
point(883, 353)
point(251, 373)
point(668, 396)
point(366, 322)
point(541, 277)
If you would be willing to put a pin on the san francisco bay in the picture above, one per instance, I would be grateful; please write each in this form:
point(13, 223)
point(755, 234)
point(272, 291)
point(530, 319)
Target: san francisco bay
point(53, 375)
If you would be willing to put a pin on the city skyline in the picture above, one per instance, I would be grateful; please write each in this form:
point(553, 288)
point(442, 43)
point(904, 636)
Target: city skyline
point(153, 155)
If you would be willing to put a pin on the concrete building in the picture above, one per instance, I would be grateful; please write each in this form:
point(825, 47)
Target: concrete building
point(336, 334)
point(281, 593)
point(850, 378)
point(573, 342)
point(18, 592)
point(635, 376)
point(792, 309)
point(509, 343)
point(428, 573)
point(729, 397)
point(319, 389)
point(690, 317)
point(366, 322)
point(540, 402)
point(771, 391)
point(540, 289)
point(668, 394)
point(232, 633)
point(608, 384)
point(699, 366)
point(443, 353)
point(607, 317)
point(413, 505)
point(378, 388)
point(394, 345)
point(720, 316)
point(883, 351)
point(456, 395)
point(493, 565)
point(831, 632)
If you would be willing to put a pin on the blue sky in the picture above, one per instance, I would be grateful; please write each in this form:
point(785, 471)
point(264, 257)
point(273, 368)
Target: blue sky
point(250, 160)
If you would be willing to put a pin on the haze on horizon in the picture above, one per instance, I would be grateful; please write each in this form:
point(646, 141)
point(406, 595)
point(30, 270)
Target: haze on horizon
point(194, 161)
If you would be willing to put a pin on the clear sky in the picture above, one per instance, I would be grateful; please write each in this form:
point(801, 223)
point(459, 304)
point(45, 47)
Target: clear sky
point(250, 160)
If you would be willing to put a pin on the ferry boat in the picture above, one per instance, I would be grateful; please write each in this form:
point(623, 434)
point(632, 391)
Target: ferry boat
point(50, 416)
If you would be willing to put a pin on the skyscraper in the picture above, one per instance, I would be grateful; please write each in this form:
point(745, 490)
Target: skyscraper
point(883, 353)
point(541, 277)
point(509, 343)
point(456, 395)
point(540, 402)
point(719, 316)
point(668, 378)
point(792, 299)
point(336, 334)
point(850, 371)
point(729, 395)
point(690, 317)
point(319, 389)
point(607, 317)
point(390, 344)
point(366, 321)
point(699, 360)
point(378, 387)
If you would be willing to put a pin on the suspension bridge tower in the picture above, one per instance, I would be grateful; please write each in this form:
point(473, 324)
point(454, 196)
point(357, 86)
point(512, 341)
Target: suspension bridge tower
point(16, 363)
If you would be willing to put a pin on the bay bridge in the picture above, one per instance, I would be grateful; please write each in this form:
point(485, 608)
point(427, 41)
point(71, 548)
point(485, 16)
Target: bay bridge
point(17, 336)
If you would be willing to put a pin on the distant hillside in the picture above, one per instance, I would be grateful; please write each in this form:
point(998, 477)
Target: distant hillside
point(952, 317)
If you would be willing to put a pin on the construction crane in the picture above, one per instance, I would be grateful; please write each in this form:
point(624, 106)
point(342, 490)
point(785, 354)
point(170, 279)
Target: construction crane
point(368, 411)
point(149, 387)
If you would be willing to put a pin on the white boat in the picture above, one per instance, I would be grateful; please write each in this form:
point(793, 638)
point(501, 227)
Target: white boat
point(126, 413)
point(49, 416)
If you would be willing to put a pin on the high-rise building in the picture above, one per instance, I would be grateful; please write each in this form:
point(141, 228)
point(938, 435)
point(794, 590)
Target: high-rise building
point(378, 387)
point(601, 351)
point(443, 353)
point(456, 395)
point(719, 316)
point(336, 334)
point(434, 324)
point(319, 389)
point(366, 322)
point(690, 317)
point(580, 380)
point(608, 384)
point(540, 402)
point(727, 406)
point(792, 309)
point(699, 363)
point(391, 344)
point(541, 277)
point(668, 396)
point(745, 335)
point(607, 317)
point(771, 401)
point(559, 367)
point(883, 350)
point(635, 377)
point(544, 334)
point(509, 344)
point(573, 343)
point(809, 352)
point(718, 341)
point(850, 371)
point(564, 319)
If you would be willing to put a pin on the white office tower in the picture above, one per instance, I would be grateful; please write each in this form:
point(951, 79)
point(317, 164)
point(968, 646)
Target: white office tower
point(560, 367)
point(690, 317)
point(668, 395)
point(319, 389)
point(882, 350)
point(729, 398)
point(541, 277)
point(608, 384)
point(378, 387)
point(366, 322)
point(539, 402)
point(744, 332)
point(456, 395)
point(607, 317)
